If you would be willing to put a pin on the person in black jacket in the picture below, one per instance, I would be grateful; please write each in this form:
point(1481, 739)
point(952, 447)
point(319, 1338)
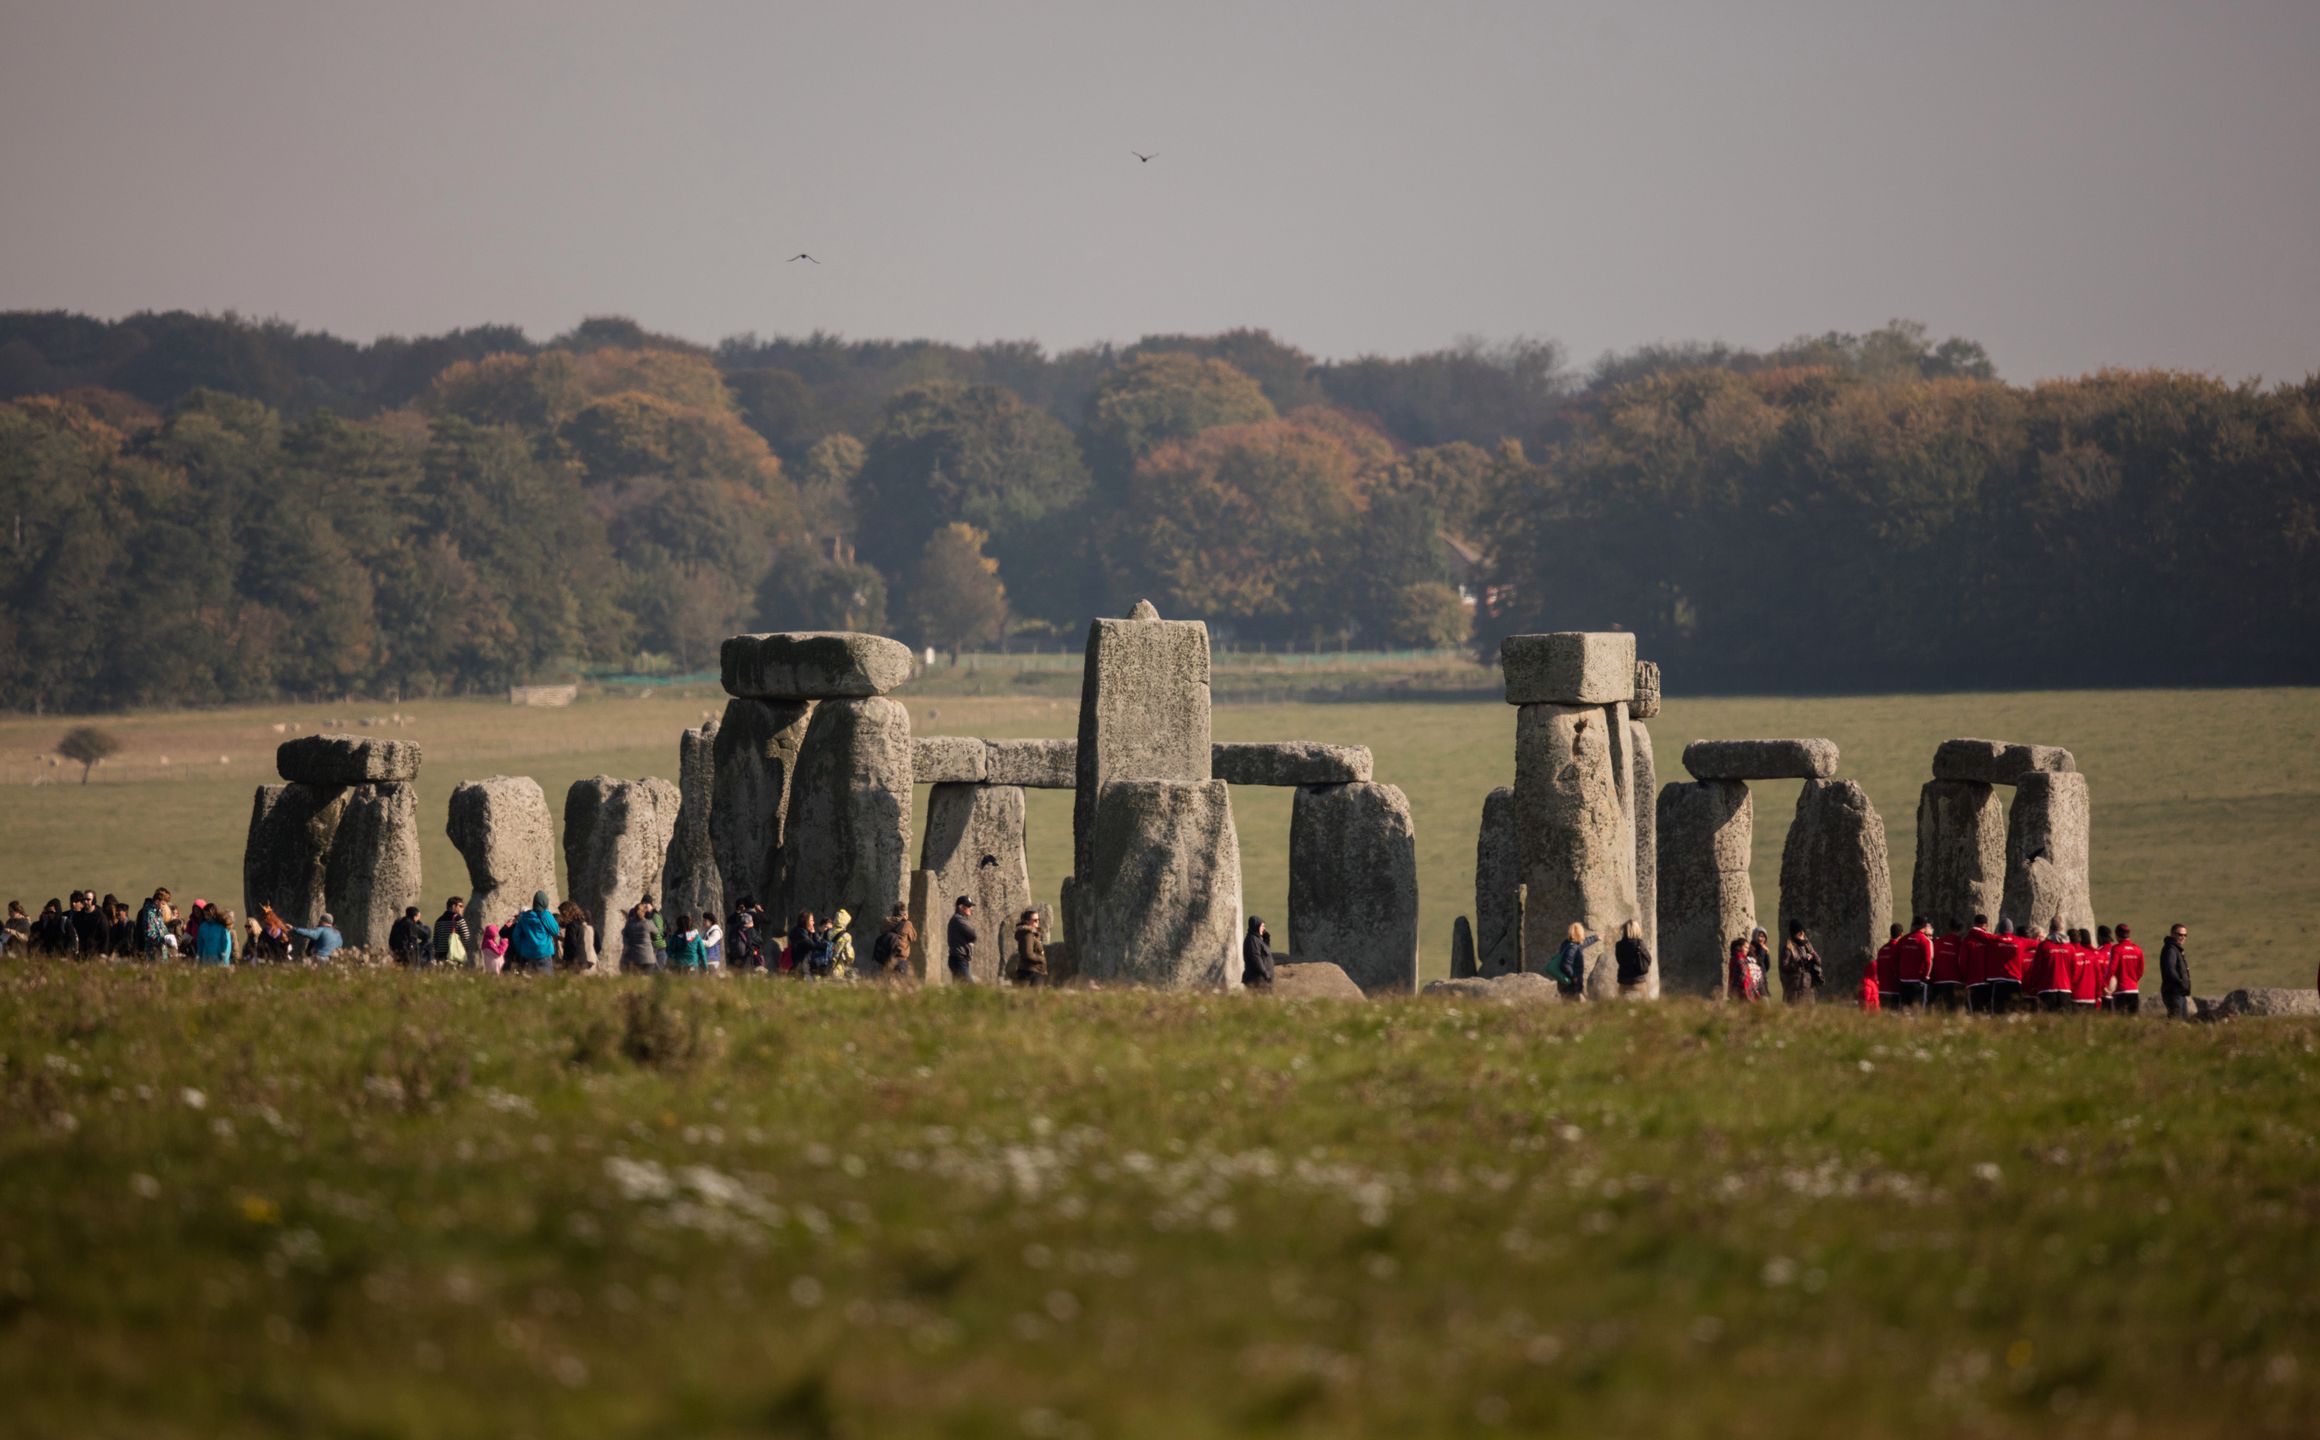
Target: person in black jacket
point(410, 941)
point(1257, 956)
point(453, 921)
point(1634, 959)
point(88, 924)
point(959, 942)
point(2175, 973)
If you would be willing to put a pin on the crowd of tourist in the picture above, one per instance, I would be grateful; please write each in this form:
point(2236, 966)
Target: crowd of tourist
point(543, 938)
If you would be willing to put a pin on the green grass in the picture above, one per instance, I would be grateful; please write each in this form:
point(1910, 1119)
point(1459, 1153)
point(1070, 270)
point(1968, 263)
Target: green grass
point(364, 1203)
point(2203, 800)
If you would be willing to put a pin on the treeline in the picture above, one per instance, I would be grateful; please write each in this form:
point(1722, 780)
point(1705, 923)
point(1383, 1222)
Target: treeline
point(203, 509)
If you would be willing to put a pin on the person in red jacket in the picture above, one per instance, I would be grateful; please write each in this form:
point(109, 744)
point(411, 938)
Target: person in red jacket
point(2008, 954)
point(2106, 951)
point(2126, 974)
point(2050, 969)
point(2086, 981)
point(1949, 968)
point(1869, 992)
point(1744, 978)
point(1974, 960)
point(1888, 973)
point(1913, 963)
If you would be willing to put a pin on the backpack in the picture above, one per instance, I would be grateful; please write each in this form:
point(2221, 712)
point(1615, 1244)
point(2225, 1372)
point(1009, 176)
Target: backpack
point(882, 949)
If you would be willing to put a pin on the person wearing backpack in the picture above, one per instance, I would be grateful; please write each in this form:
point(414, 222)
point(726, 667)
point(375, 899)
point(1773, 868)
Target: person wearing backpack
point(1569, 967)
point(890, 952)
point(687, 951)
point(153, 926)
point(531, 938)
point(1634, 957)
point(744, 942)
point(1744, 976)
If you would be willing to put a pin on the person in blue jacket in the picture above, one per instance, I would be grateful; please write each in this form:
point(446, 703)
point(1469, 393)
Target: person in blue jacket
point(532, 938)
point(213, 939)
point(322, 939)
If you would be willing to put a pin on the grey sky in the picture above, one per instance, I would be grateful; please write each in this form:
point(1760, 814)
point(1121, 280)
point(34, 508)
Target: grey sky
point(2075, 184)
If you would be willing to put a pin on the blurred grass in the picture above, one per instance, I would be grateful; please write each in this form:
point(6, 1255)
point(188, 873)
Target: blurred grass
point(348, 1202)
point(2204, 801)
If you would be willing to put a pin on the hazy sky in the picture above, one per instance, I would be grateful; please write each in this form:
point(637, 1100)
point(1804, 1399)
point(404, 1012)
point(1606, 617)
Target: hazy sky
point(2075, 184)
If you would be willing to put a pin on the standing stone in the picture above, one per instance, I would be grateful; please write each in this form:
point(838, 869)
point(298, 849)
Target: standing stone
point(1646, 802)
point(1143, 713)
point(690, 884)
point(1497, 887)
point(1836, 879)
point(1705, 897)
point(1462, 966)
point(374, 863)
point(1353, 884)
point(616, 836)
point(847, 845)
point(1161, 895)
point(974, 846)
point(926, 958)
point(2046, 851)
point(1645, 705)
point(752, 770)
point(1576, 831)
point(286, 860)
point(502, 828)
point(1961, 853)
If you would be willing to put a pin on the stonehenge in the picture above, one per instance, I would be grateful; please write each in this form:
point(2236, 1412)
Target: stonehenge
point(1291, 763)
point(1568, 668)
point(1761, 759)
point(502, 829)
point(847, 841)
point(1961, 852)
point(1705, 897)
point(1645, 802)
point(340, 834)
point(949, 760)
point(1032, 764)
point(754, 764)
point(974, 846)
point(2026, 863)
point(1996, 762)
point(1836, 880)
point(2046, 852)
point(813, 665)
point(616, 837)
point(1353, 883)
point(1143, 713)
point(1160, 896)
point(691, 885)
point(1497, 888)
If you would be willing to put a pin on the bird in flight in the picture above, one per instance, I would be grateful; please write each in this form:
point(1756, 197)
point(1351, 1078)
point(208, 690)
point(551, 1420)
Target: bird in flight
point(801, 255)
point(1147, 159)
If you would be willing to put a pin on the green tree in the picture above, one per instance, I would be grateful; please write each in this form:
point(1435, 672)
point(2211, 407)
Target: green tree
point(87, 746)
point(956, 598)
point(1167, 395)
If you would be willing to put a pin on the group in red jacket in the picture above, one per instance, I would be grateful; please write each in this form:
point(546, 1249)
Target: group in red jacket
point(1993, 971)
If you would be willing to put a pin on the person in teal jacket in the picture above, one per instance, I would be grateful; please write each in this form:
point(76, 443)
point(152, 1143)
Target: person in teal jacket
point(213, 939)
point(687, 951)
point(533, 935)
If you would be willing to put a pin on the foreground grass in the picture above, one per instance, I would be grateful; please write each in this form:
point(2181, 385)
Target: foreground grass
point(364, 1203)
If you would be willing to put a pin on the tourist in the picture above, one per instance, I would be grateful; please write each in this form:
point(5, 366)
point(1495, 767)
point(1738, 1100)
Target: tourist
point(744, 941)
point(531, 938)
point(451, 932)
point(272, 941)
point(52, 933)
point(1949, 975)
point(2049, 973)
point(959, 941)
point(120, 930)
point(1887, 967)
point(1913, 964)
point(1257, 956)
point(88, 924)
point(636, 940)
point(660, 931)
point(1569, 967)
point(1760, 954)
point(1870, 995)
point(153, 917)
point(2091, 974)
point(1801, 972)
point(16, 933)
point(686, 950)
point(2126, 987)
point(1743, 977)
point(1633, 958)
point(800, 948)
point(491, 950)
point(213, 941)
point(2175, 973)
point(713, 941)
point(2004, 968)
point(409, 940)
point(890, 952)
point(578, 947)
point(837, 956)
point(322, 938)
point(1030, 951)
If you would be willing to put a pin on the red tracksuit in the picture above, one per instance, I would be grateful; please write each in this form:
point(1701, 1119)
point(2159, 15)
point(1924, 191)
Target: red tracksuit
point(1913, 956)
point(1949, 962)
point(2050, 968)
point(1974, 956)
point(1869, 999)
point(2009, 956)
point(2127, 966)
point(2086, 981)
point(1886, 971)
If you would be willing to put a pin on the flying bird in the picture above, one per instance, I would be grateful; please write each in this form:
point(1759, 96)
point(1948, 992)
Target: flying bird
point(1147, 159)
point(801, 255)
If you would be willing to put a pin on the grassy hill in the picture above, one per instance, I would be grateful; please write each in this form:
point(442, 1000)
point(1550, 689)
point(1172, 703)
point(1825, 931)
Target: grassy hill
point(368, 1203)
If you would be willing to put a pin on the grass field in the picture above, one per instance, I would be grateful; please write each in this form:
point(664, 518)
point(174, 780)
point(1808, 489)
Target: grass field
point(2206, 803)
point(347, 1202)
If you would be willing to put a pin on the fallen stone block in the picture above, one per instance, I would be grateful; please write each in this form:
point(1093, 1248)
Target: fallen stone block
point(1705, 897)
point(1996, 762)
point(1761, 759)
point(1571, 667)
point(346, 760)
point(616, 838)
point(1520, 988)
point(949, 760)
point(974, 846)
point(813, 665)
point(1160, 899)
point(2261, 1001)
point(1353, 883)
point(502, 829)
point(1313, 980)
point(374, 862)
point(286, 859)
point(1288, 763)
point(1836, 878)
point(1032, 764)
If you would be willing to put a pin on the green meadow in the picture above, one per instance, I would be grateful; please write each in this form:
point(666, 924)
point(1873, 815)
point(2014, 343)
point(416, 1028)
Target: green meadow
point(2204, 801)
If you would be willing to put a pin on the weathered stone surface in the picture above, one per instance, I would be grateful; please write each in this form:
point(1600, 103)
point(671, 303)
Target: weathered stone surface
point(925, 910)
point(1462, 962)
point(286, 860)
point(1996, 762)
point(1645, 705)
point(346, 760)
point(2046, 851)
point(1288, 762)
point(1353, 883)
point(1515, 989)
point(1961, 853)
point(752, 771)
point(1497, 887)
point(949, 760)
point(1835, 877)
point(974, 846)
point(848, 840)
point(1571, 667)
point(1143, 712)
point(1576, 830)
point(1032, 764)
point(813, 665)
point(502, 829)
point(616, 837)
point(374, 862)
point(2263, 1000)
point(690, 884)
point(1161, 894)
point(1705, 898)
point(1646, 803)
point(1761, 759)
point(1313, 980)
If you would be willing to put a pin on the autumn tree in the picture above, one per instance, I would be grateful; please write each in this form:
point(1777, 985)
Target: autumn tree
point(956, 597)
point(1167, 395)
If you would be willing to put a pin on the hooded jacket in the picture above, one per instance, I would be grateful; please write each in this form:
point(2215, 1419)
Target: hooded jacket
point(1256, 955)
point(1030, 951)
